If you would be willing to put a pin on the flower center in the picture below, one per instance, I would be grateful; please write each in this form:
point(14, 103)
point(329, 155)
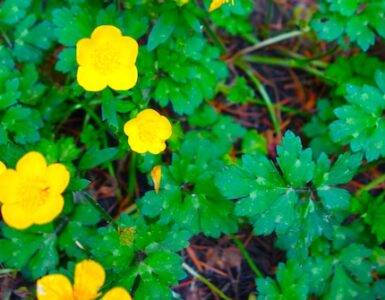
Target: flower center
point(34, 193)
point(147, 132)
point(106, 58)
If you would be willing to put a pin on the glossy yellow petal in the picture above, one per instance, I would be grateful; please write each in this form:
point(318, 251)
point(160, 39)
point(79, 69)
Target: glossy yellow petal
point(58, 178)
point(129, 51)
point(106, 32)
point(14, 215)
point(123, 78)
point(89, 278)
point(148, 114)
point(32, 165)
point(156, 175)
point(137, 145)
point(49, 210)
point(9, 186)
point(85, 51)
point(2, 167)
point(54, 287)
point(89, 79)
point(117, 293)
point(130, 127)
point(157, 147)
point(164, 128)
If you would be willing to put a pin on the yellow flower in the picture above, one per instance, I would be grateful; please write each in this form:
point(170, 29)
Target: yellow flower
point(107, 59)
point(31, 194)
point(148, 132)
point(218, 3)
point(2, 167)
point(89, 278)
point(156, 174)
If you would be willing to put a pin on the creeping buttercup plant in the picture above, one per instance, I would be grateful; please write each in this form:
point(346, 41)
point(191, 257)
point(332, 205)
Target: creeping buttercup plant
point(141, 142)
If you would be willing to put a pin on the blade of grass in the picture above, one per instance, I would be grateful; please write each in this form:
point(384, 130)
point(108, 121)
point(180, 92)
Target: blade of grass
point(211, 286)
point(247, 256)
point(270, 107)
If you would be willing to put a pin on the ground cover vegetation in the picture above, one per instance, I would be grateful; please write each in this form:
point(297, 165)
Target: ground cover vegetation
point(180, 149)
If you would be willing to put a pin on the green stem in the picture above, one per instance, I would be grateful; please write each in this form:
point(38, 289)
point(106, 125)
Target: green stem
point(247, 256)
point(262, 91)
point(132, 175)
point(273, 40)
point(6, 39)
point(225, 89)
point(282, 62)
point(101, 210)
point(205, 281)
point(371, 164)
point(316, 60)
point(213, 36)
point(101, 125)
point(7, 271)
point(372, 184)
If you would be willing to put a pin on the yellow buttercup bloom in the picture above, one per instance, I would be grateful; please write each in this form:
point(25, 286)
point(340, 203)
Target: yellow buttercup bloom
point(148, 132)
point(31, 194)
point(107, 59)
point(89, 278)
point(218, 3)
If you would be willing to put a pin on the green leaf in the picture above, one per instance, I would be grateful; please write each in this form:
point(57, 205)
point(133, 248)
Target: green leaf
point(358, 32)
point(31, 37)
point(188, 196)
point(341, 172)
point(240, 92)
point(290, 284)
point(10, 94)
point(108, 248)
point(23, 123)
point(70, 30)
point(79, 231)
point(33, 251)
point(66, 60)
point(109, 108)
point(13, 11)
point(360, 122)
point(267, 201)
point(95, 157)
point(296, 164)
point(287, 203)
point(345, 7)
point(45, 260)
point(334, 198)
point(372, 210)
point(162, 29)
point(157, 272)
point(350, 21)
point(344, 287)
point(328, 27)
